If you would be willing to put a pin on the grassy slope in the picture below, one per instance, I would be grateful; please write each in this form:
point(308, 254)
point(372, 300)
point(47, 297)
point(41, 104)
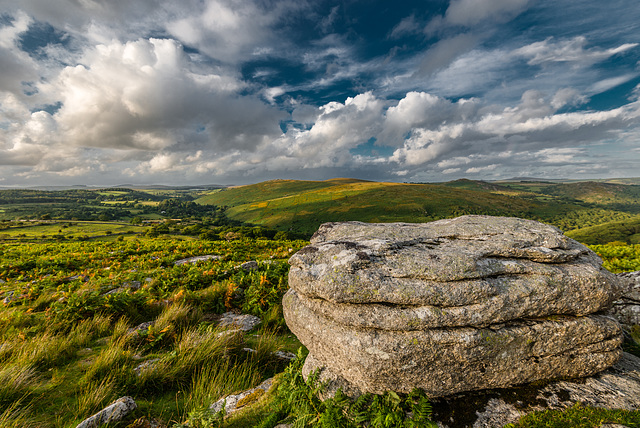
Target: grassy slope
point(627, 231)
point(599, 193)
point(301, 206)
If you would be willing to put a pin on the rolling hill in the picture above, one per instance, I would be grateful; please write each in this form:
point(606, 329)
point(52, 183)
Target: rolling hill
point(301, 206)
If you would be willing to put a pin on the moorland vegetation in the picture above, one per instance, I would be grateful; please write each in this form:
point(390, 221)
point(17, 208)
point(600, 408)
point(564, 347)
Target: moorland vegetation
point(75, 291)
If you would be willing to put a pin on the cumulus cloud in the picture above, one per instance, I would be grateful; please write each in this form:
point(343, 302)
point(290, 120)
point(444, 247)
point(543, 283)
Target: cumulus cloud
point(16, 66)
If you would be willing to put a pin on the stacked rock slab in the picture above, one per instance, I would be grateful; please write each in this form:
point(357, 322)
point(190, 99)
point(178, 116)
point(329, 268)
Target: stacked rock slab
point(454, 305)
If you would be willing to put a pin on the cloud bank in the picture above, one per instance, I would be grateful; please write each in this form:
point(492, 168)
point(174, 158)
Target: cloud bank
point(222, 91)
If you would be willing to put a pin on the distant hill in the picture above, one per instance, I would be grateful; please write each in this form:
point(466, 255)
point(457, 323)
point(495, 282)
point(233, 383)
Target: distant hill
point(301, 206)
point(597, 192)
point(627, 231)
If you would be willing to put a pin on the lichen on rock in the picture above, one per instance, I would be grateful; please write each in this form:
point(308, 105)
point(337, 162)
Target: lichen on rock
point(454, 305)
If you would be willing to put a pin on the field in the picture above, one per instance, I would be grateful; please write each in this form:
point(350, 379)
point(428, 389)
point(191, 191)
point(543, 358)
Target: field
point(301, 206)
point(75, 293)
point(47, 230)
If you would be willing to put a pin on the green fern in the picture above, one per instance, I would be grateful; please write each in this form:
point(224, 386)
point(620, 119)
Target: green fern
point(299, 399)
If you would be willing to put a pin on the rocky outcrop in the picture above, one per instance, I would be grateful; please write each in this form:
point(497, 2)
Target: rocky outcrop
point(627, 309)
point(111, 414)
point(618, 387)
point(455, 305)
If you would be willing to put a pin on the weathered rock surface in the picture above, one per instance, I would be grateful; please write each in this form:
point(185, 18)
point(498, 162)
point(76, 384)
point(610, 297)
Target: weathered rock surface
point(455, 305)
point(446, 361)
point(627, 309)
point(243, 322)
point(111, 414)
point(232, 403)
point(196, 259)
point(472, 270)
point(615, 388)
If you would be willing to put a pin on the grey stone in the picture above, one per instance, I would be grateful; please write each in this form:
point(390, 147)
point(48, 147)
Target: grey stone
point(196, 259)
point(8, 298)
point(140, 328)
point(285, 355)
point(446, 361)
point(618, 387)
point(473, 270)
point(627, 309)
point(244, 322)
point(147, 365)
point(113, 413)
point(230, 402)
point(249, 266)
point(471, 303)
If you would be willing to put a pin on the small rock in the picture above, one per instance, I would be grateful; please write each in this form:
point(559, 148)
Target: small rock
point(233, 402)
point(627, 309)
point(140, 328)
point(76, 278)
point(196, 259)
point(244, 322)
point(290, 356)
point(8, 299)
point(147, 365)
point(249, 266)
point(249, 350)
point(113, 413)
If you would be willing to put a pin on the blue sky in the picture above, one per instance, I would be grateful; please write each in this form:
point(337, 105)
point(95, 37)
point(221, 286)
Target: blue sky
point(240, 91)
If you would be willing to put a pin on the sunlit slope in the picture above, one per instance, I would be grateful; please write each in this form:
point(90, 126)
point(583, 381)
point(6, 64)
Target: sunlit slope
point(627, 231)
point(301, 206)
point(599, 193)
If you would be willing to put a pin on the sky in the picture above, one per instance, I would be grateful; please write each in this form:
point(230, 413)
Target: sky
point(188, 92)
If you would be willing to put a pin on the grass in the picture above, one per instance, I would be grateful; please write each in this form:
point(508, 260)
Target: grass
point(302, 206)
point(579, 416)
point(79, 229)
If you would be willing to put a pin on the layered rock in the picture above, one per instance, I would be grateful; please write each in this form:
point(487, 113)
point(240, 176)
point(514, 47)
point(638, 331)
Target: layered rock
point(454, 305)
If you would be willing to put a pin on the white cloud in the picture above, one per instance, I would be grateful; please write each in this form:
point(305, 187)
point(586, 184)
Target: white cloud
point(572, 50)
point(470, 12)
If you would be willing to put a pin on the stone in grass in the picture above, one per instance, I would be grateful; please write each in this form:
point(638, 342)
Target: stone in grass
point(243, 322)
point(196, 259)
point(232, 403)
point(618, 387)
point(110, 414)
point(140, 328)
point(145, 366)
point(249, 266)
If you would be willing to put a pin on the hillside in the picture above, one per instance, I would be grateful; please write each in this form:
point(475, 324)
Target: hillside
point(598, 193)
point(627, 231)
point(301, 206)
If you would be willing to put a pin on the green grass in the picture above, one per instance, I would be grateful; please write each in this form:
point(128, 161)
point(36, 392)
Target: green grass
point(301, 206)
point(66, 340)
point(80, 229)
point(579, 416)
point(627, 231)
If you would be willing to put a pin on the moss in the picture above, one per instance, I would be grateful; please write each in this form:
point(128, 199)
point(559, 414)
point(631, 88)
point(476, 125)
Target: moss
point(250, 399)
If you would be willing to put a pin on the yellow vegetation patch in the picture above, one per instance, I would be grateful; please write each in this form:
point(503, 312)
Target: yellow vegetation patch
point(251, 398)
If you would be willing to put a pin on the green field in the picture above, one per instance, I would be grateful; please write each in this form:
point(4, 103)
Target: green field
point(66, 230)
point(302, 206)
point(68, 300)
